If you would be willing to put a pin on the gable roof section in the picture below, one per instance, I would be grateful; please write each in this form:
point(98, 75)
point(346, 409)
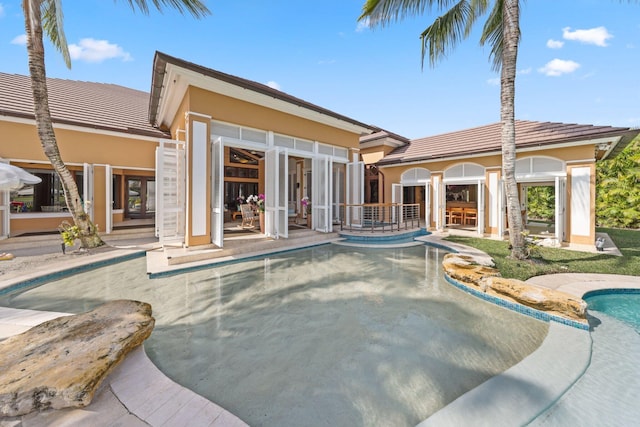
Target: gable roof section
point(529, 134)
point(86, 104)
point(172, 76)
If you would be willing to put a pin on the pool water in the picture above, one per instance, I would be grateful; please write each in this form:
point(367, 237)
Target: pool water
point(330, 335)
point(624, 306)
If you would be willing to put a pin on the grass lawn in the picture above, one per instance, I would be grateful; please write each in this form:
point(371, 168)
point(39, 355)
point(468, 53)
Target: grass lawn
point(551, 260)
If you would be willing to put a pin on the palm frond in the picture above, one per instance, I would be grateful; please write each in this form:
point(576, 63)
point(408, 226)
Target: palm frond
point(446, 32)
point(52, 25)
point(492, 33)
point(384, 12)
point(195, 7)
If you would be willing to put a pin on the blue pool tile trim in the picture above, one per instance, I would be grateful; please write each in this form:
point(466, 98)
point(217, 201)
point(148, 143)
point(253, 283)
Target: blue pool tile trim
point(383, 239)
point(523, 309)
point(37, 281)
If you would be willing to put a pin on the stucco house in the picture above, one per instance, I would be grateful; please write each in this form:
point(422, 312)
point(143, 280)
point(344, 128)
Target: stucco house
point(104, 138)
point(183, 155)
point(457, 176)
point(186, 154)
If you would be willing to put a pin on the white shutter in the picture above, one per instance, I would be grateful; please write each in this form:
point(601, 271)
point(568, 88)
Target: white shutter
point(396, 197)
point(171, 185)
point(561, 202)
point(270, 191)
point(108, 189)
point(427, 205)
point(87, 189)
point(481, 209)
point(283, 196)
point(355, 192)
point(321, 198)
point(501, 208)
point(217, 193)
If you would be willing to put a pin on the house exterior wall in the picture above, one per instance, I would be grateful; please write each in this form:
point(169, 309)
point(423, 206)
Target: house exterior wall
point(128, 154)
point(580, 210)
point(202, 106)
point(226, 109)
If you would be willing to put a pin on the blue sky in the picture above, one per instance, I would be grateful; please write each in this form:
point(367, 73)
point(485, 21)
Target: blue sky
point(578, 60)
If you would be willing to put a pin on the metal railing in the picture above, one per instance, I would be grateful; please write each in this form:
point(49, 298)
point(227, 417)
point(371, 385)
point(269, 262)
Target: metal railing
point(379, 217)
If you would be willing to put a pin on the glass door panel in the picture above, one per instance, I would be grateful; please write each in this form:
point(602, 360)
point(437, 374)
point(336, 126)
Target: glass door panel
point(134, 187)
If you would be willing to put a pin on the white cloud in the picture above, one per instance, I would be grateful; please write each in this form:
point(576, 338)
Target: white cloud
point(273, 85)
point(558, 67)
point(20, 40)
point(554, 44)
point(326, 61)
point(91, 50)
point(1, 10)
point(525, 71)
point(597, 36)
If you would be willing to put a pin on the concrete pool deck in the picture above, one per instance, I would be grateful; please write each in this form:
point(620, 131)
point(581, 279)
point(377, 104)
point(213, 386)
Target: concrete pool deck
point(137, 393)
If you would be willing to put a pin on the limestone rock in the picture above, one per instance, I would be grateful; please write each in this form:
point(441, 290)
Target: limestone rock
point(463, 269)
point(61, 363)
point(538, 297)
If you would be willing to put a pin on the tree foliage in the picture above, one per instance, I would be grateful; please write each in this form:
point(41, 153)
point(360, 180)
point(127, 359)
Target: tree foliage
point(541, 203)
point(618, 189)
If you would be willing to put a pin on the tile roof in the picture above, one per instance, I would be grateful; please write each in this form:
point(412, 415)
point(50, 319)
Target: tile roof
point(486, 139)
point(93, 105)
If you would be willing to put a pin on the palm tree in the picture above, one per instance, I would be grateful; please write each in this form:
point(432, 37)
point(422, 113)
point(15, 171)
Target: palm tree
point(502, 32)
point(46, 15)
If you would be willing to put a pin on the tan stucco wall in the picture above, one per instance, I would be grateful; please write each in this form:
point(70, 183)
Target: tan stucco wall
point(372, 155)
point(77, 147)
point(231, 110)
point(19, 141)
point(577, 156)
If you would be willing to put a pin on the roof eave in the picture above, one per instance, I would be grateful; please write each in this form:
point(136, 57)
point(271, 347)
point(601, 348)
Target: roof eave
point(246, 90)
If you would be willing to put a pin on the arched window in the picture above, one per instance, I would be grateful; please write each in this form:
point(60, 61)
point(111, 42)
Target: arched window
point(539, 167)
point(415, 176)
point(464, 171)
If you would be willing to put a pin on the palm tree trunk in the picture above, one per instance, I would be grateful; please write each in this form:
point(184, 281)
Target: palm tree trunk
point(33, 24)
point(511, 37)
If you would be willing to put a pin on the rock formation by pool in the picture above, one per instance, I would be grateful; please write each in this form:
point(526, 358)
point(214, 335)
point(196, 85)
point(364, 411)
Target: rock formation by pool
point(62, 362)
point(486, 279)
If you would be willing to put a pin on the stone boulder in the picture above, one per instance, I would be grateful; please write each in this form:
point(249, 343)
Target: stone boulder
point(62, 362)
point(465, 270)
point(538, 297)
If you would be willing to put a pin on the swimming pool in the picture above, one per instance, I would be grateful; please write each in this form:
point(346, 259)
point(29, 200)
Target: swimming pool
point(330, 335)
point(621, 304)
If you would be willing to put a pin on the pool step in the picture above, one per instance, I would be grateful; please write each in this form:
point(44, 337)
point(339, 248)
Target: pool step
point(170, 259)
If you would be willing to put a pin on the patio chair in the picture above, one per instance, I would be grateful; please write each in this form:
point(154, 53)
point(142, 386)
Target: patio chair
point(457, 216)
point(248, 215)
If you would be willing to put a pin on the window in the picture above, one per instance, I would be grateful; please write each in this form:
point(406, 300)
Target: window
point(48, 196)
point(243, 157)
